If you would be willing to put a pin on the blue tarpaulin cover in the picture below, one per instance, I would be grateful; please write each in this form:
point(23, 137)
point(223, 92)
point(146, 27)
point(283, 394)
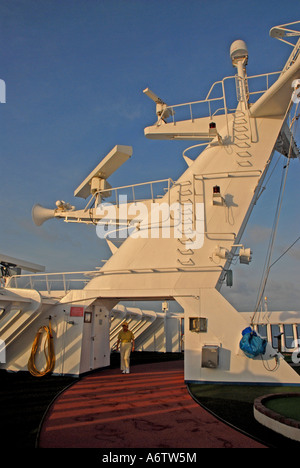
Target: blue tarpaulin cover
point(252, 344)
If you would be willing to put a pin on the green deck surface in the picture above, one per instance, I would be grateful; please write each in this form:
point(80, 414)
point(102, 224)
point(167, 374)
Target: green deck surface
point(288, 407)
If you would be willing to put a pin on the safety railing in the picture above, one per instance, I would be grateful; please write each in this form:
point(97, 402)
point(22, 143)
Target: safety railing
point(218, 104)
point(134, 192)
point(267, 78)
point(50, 282)
point(65, 282)
point(137, 192)
point(214, 105)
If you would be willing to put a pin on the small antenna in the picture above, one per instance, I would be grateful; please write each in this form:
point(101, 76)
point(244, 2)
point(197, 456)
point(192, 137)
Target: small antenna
point(162, 109)
point(153, 96)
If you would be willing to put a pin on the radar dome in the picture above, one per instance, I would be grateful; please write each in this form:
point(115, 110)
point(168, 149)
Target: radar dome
point(238, 50)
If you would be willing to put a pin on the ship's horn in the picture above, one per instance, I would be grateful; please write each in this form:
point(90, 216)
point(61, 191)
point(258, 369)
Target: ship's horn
point(41, 214)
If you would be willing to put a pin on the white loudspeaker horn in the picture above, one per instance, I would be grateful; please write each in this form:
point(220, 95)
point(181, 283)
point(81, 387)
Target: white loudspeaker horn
point(41, 214)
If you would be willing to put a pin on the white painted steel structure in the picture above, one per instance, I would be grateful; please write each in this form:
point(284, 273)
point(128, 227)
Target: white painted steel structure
point(219, 189)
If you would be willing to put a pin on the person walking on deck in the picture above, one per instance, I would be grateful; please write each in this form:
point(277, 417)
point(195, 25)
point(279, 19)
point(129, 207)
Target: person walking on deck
point(126, 338)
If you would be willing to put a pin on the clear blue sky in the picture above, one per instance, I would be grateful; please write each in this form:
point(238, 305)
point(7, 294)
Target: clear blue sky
point(75, 72)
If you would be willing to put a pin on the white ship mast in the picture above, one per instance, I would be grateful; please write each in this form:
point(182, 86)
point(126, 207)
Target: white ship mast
point(185, 254)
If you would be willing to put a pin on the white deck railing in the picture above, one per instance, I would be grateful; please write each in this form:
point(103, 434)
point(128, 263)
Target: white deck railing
point(50, 282)
point(221, 100)
point(67, 281)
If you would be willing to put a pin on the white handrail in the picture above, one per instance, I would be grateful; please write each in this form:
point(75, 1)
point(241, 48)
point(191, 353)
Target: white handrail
point(46, 277)
point(209, 100)
point(132, 186)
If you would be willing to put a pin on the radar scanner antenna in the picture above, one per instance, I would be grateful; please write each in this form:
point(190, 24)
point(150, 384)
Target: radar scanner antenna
point(95, 186)
point(162, 109)
point(96, 182)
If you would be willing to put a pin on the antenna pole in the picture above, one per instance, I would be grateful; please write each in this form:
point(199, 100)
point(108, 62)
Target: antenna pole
point(239, 57)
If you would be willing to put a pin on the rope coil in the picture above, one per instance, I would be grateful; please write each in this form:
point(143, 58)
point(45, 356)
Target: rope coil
point(48, 351)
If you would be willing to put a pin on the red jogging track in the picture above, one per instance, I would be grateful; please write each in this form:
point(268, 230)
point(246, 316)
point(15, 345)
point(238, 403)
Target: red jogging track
point(148, 408)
